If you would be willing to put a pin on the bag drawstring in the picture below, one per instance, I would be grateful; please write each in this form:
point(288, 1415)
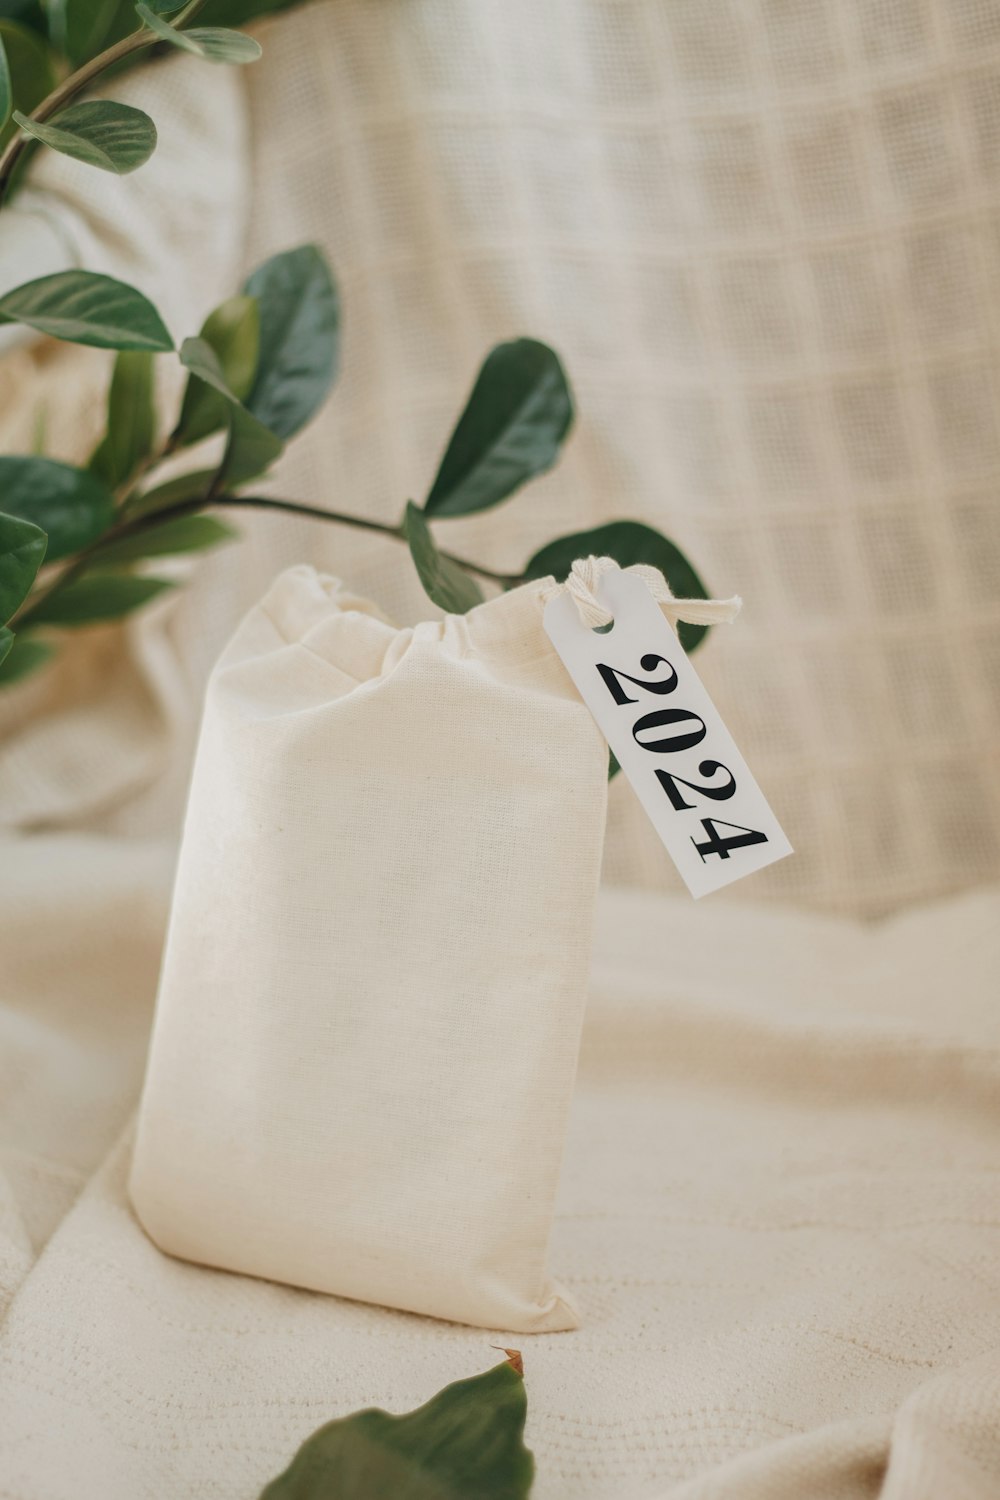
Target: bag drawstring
point(587, 571)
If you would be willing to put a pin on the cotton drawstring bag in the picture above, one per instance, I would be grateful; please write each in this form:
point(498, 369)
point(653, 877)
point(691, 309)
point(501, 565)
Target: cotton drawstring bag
point(376, 965)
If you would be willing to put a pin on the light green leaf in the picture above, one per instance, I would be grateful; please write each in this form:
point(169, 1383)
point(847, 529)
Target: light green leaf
point(299, 338)
point(444, 581)
point(201, 359)
point(31, 70)
point(6, 97)
point(627, 542)
point(87, 308)
point(22, 549)
point(213, 43)
point(232, 330)
point(98, 596)
point(467, 1443)
point(176, 534)
point(131, 429)
point(252, 446)
point(26, 655)
point(100, 132)
point(190, 486)
point(511, 429)
point(73, 507)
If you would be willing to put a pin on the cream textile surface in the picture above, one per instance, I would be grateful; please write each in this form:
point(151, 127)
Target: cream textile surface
point(764, 236)
point(376, 970)
point(778, 1216)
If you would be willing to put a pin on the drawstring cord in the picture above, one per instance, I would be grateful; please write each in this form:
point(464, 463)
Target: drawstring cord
point(587, 571)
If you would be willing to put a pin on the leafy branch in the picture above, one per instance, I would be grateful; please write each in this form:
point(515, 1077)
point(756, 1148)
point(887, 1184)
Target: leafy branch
point(75, 539)
point(75, 84)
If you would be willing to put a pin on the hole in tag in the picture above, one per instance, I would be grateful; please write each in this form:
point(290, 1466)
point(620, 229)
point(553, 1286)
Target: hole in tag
point(603, 629)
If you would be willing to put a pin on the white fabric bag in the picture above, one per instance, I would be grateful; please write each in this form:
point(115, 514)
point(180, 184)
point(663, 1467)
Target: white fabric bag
point(375, 973)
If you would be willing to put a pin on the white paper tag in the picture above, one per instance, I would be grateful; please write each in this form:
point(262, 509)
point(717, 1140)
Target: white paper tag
point(667, 735)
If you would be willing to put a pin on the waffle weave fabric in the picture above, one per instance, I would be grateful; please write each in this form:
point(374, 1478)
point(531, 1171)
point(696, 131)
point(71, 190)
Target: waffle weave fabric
point(765, 237)
point(777, 1218)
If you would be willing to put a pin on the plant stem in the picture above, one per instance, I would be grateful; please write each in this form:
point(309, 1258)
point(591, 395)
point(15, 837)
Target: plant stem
point(91, 554)
point(76, 82)
point(296, 508)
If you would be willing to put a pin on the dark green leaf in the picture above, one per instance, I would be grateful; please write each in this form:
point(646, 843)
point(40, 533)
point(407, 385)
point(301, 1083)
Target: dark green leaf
point(213, 43)
point(511, 429)
point(82, 28)
point(6, 642)
point(72, 506)
point(252, 446)
point(28, 12)
point(627, 542)
point(190, 486)
point(86, 308)
point(165, 7)
point(444, 581)
point(31, 70)
point(465, 1444)
point(6, 92)
point(176, 534)
point(100, 132)
point(232, 331)
point(131, 430)
point(25, 656)
point(299, 338)
point(22, 548)
point(98, 596)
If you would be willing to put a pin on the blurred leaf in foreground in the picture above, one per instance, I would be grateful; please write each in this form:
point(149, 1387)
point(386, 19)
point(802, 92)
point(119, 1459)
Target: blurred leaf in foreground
point(467, 1443)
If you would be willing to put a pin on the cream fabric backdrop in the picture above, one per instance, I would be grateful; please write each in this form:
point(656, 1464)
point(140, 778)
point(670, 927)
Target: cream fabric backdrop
point(764, 234)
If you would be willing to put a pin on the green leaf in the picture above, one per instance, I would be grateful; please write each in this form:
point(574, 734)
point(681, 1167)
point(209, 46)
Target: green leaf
point(175, 534)
point(213, 43)
point(299, 338)
point(6, 642)
point(82, 28)
point(233, 332)
point(70, 505)
point(25, 655)
point(190, 486)
point(6, 96)
point(28, 12)
point(627, 542)
point(98, 596)
point(31, 70)
point(22, 548)
point(444, 581)
point(131, 429)
point(100, 132)
point(467, 1443)
point(252, 446)
point(87, 308)
point(511, 429)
